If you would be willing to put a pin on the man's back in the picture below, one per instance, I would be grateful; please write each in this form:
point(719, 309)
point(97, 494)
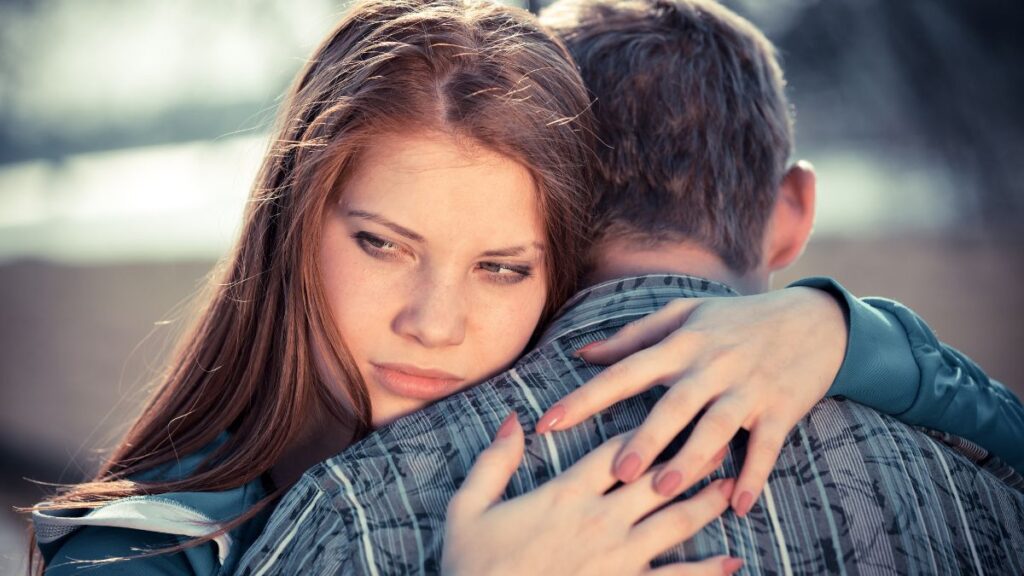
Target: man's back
point(853, 492)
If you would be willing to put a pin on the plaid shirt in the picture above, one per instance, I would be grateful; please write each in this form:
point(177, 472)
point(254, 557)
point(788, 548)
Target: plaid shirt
point(853, 492)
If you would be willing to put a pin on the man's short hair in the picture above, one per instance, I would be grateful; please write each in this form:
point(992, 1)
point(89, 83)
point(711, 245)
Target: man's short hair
point(692, 115)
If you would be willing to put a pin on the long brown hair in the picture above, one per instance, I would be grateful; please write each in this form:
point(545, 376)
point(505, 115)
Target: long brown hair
point(468, 68)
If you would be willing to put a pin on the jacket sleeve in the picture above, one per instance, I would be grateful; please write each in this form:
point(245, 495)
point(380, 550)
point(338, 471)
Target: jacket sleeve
point(895, 364)
point(87, 553)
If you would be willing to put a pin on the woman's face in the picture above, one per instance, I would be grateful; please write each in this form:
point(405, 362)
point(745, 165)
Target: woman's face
point(433, 263)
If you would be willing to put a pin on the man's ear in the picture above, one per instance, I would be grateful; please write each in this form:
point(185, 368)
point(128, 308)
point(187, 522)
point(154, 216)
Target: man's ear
point(789, 226)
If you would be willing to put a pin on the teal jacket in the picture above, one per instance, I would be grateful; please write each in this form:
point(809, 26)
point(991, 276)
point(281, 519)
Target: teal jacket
point(72, 540)
point(893, 363)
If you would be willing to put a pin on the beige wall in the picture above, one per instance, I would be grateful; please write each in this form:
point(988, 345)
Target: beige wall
point(78, 342)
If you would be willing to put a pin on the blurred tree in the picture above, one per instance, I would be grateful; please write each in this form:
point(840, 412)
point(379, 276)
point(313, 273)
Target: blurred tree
point(941, 75)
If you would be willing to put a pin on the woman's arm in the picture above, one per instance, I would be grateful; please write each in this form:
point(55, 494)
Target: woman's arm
point(895, 364)
point(761, 362)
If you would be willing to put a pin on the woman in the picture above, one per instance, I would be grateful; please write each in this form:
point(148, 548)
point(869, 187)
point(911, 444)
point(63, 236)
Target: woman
point(420, 213)
point(430, 164)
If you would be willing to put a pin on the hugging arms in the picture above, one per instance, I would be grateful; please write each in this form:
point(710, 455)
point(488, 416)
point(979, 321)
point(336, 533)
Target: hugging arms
point(382, 505)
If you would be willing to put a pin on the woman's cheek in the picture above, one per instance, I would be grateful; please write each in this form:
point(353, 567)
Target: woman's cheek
point(370, 295)
point(517, 317)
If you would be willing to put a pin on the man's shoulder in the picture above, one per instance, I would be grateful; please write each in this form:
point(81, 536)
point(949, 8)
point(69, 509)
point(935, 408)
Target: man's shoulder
point(614, 303)
point(856, 443)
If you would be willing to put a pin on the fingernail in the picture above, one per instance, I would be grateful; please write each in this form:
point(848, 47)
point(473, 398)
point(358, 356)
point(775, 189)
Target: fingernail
point(726, 486)
point(550, 418)
point(744, 504)
point(508, 426)
point(627, 468)
point(667, 484)
point(587, 348)
point(730, 565)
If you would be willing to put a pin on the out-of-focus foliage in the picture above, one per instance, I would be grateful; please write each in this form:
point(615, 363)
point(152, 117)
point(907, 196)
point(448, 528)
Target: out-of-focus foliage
point(943, 76)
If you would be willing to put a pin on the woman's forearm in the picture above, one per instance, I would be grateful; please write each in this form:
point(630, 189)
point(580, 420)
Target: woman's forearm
point(895, 364)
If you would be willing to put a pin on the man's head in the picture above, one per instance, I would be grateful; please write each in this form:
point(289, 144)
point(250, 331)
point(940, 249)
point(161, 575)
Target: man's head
point(696, 132)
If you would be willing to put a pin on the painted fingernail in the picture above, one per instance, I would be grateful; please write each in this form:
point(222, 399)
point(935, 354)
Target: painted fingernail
point(667, 484)
point(731, 565)
point(508, 426)
point(587, 348)
point(744, 503)
point(550, 418)
point(628, 468)
point(726, 486)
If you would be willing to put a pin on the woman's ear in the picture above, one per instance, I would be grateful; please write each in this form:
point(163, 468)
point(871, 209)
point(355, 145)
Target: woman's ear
point(792, 218)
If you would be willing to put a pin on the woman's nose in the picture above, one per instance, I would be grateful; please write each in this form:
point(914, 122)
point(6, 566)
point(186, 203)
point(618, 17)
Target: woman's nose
point(435, 315)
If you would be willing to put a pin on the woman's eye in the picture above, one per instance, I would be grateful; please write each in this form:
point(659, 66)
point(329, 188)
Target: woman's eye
point(506, 273)
point(377, 246)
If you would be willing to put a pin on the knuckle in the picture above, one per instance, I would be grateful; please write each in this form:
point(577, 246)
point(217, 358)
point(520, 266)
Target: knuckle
point(582, 397)
point(678, 342)
point(773, 433)
point(691, 458)
point(679, 397)
point(764, 450)
point(598, 520)
point(683, 520)
point(707, 508)
point(617, 371)
point(695, 337)
point(489, 460)
point(619, 440)
point(644, 440)
point(566, 493)
point(647, 340)
point(676, 307)
point(729, 357)
point(589, 399)
point(718, 422)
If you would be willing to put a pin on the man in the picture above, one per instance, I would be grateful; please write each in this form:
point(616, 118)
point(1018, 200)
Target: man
point(694, 201)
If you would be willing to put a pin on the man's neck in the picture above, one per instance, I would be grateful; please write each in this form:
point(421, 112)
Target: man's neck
point(620, 259)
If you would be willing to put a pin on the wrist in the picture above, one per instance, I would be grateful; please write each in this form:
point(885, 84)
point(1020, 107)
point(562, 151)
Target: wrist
point(825, 303)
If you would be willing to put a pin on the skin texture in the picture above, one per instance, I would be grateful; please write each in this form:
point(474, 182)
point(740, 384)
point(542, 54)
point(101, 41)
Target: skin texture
point(433, 264)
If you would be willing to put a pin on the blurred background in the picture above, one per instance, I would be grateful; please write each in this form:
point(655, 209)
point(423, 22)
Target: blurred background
point(130, 132)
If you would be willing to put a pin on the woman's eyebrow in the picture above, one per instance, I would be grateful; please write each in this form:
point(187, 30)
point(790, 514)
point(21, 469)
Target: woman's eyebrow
point(511, 251)
point(402, 230)
point(398, 229)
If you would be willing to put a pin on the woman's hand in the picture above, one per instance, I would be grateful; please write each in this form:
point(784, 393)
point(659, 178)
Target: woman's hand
point(570, 525)
point(755, 362)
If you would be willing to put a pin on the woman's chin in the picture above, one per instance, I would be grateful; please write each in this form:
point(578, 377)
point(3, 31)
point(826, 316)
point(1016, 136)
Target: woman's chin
point(394, 409)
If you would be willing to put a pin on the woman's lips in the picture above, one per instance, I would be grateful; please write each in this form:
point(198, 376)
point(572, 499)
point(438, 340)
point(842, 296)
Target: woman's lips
point(412, 382)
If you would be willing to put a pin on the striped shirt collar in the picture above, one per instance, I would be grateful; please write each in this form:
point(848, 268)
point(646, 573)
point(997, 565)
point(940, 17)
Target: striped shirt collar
point(593, 304)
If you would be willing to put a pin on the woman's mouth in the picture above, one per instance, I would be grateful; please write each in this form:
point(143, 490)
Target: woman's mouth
point(413, 382)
